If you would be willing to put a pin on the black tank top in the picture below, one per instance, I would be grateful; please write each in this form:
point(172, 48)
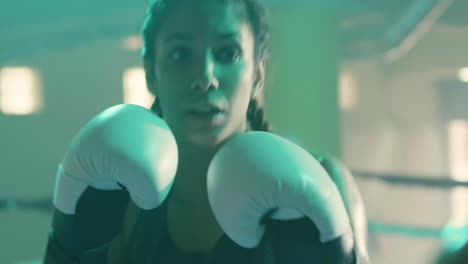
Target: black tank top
point(300, 242)
point(151, 244)
point(225, 251)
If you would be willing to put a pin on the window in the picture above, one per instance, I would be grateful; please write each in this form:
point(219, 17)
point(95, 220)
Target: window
point(20, 91)
point(135, 91)
point(458, 164)
point(347, 92)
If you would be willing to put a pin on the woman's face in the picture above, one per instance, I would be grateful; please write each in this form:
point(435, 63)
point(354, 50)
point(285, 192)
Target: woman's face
point(205, 59)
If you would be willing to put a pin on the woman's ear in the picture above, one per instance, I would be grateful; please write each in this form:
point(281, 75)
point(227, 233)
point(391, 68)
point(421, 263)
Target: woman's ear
point(259, 79)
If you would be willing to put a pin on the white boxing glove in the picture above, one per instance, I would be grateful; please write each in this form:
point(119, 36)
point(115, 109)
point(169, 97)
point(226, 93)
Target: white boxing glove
point(256, 172)
point(125, 144)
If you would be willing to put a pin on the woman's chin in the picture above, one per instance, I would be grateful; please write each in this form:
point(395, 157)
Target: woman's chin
point(204, 139)
point(206, 136)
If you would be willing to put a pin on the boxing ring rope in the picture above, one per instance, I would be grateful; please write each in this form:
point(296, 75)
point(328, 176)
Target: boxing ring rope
point(411, 180)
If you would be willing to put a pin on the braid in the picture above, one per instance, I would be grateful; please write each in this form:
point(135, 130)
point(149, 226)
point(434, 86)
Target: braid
point(256, 117)
point(156, 107)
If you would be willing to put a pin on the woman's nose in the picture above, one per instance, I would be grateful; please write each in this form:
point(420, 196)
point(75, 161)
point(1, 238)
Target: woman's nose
point(205, 78)
point(202, 86)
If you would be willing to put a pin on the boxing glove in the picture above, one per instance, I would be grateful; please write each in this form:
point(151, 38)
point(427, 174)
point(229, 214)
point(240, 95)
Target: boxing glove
point(258, 176)
point(125, 151)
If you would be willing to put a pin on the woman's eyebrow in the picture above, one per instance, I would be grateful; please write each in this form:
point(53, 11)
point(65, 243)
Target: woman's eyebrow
point(226, 35)
point(184, 37)
point(179, 37)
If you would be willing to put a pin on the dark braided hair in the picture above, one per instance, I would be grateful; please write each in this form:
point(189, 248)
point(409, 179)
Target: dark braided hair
point(257, 17)
point(256, 117)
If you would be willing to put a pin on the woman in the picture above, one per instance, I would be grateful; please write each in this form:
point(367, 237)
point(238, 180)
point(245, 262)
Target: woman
point(205, 63)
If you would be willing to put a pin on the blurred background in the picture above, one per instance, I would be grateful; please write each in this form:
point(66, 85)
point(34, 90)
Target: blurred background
point(381, 84)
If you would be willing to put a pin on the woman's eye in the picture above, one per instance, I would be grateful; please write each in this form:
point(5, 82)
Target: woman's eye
point(229, 54)
point(179, 54)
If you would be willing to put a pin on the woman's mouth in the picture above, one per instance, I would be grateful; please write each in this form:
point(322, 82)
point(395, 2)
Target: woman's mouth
point(206, 118)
